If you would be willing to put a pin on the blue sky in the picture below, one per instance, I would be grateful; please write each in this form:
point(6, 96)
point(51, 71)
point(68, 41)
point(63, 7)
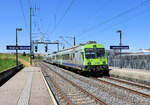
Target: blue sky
point(93, 16)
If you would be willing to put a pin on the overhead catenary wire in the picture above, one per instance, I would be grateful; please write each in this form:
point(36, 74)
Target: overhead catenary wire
point(61, 19)
point(36, 17)
point(65, 41)
point(54, 16)
point(49, 23)
point(97, 11)
point(35, 13)
point(113, 18)
point(126, 20)
point(58, 6)
point(22, 10)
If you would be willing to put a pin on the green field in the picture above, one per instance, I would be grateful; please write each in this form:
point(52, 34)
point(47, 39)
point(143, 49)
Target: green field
point(26, 58)
point(9, 60)
point(6, 64)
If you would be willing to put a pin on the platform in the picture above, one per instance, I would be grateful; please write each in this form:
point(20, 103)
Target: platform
point(137, 75)
point(26, 88)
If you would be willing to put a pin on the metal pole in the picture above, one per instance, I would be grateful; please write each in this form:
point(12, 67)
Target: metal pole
point(16, 49)
point(30, 36)
point(120, 49)
point(120, 45)
point(120, 40)
point(74, 41)
point(58, 47)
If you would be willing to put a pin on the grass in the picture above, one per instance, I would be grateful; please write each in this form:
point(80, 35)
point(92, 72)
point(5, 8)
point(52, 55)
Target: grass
point(9, 60)
point(25, 58)
point(6, 64)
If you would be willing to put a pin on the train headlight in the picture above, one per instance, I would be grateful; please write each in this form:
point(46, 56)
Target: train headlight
point(89, 63)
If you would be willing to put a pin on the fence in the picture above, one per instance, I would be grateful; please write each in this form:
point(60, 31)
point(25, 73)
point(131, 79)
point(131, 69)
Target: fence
point(130, 61)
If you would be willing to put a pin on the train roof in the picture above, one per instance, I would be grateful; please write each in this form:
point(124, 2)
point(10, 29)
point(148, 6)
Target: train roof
point(90, 42)
point(69, 48)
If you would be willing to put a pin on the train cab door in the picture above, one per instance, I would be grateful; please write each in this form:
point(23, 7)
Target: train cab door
point(78, 58)
point(82, 58)
point(73, 58)
point(61, 58)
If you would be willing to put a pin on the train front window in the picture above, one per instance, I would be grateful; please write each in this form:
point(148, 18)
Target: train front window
point(100, 52)
point(90, 53)
point(93, 53)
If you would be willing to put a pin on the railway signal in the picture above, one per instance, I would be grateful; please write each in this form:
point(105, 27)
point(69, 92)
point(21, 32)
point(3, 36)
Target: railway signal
point(46, 48)
point(46, 42)
point(36, 48)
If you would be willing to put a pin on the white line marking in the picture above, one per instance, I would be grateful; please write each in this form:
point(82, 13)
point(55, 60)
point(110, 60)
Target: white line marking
point(51, 95)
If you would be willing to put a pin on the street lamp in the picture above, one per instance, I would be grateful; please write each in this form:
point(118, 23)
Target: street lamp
point(119, 31)
point(17, 29)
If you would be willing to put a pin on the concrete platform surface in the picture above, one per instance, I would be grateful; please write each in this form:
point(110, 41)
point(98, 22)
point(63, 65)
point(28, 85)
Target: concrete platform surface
point(138, 75)
point(26, 88)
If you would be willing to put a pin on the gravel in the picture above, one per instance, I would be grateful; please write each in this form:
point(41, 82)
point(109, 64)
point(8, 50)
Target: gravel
point(76, 96)
point(139, 89)
point(109, 94)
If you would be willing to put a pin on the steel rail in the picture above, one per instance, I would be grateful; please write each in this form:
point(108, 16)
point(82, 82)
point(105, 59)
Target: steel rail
point(61, 92)
point(59, 89)
point(80, 88)
point(126, 82)
point(121, 87)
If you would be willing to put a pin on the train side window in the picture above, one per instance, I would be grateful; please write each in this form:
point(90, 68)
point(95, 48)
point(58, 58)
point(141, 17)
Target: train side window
point(66, 57)
point(57, 57)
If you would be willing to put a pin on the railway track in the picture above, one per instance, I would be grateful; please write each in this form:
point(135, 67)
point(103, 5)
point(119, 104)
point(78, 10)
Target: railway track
point(57, 91)
point(130, 86)
point(122, 86)
point(69, 91)
point(140, 87)
point(111, 94)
